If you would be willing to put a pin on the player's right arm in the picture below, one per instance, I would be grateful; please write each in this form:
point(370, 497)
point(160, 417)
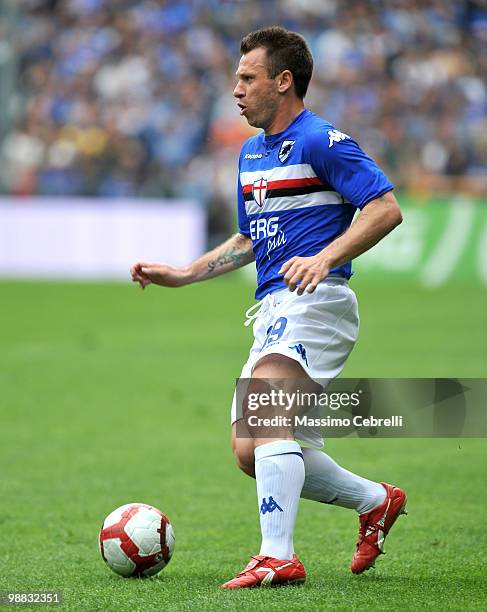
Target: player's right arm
point(233, 254)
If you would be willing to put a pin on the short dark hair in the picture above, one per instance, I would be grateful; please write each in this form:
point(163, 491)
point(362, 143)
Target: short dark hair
point(285, 51)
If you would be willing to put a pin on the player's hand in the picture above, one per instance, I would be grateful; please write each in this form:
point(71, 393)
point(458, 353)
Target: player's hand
point(305, 273)
point(160, 274)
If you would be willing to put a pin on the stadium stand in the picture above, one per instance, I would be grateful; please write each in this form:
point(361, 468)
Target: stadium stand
point(134, 98)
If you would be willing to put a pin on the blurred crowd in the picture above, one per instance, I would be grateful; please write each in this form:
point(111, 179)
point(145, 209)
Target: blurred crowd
point(120, 98)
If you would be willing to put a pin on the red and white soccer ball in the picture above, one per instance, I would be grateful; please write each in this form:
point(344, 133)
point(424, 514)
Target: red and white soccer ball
point(136, 540)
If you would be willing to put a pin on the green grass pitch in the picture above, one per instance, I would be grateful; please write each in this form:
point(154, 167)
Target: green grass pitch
point(111, 395)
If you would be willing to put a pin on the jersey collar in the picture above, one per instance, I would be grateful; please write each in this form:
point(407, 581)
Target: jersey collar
point(273, 138)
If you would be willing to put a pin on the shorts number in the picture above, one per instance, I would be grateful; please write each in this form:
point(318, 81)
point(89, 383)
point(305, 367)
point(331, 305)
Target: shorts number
point(275, 331)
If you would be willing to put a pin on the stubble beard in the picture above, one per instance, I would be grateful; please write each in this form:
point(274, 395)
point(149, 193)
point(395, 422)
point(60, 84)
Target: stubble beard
point(265, 113)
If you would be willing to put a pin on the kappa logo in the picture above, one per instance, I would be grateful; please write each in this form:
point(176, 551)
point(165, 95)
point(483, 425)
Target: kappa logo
point(336, 136)
point(285, 150)
point(269, 506)
point(253, 155)
point(259, 191)
point(301, 351)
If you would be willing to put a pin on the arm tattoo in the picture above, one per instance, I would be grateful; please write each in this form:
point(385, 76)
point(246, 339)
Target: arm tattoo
point(231, 256)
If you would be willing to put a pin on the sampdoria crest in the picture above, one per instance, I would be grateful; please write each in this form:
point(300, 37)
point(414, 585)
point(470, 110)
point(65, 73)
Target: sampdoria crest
point(285, 150)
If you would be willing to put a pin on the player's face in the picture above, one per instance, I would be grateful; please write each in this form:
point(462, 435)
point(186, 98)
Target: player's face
point(257, 94)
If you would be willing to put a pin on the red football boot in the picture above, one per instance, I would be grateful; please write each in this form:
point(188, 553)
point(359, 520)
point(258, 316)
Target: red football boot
point(374, 526)
point(267, 571)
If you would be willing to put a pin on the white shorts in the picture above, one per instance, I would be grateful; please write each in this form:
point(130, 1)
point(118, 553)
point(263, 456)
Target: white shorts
point(318, 330)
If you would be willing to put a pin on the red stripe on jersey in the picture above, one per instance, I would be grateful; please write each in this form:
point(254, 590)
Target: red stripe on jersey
point(287, 184)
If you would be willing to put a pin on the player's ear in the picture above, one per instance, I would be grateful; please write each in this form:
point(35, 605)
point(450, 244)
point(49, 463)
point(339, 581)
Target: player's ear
point(284, 81)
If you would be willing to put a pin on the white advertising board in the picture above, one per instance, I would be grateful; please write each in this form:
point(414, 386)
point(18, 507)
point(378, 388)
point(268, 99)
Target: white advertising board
point(95, 238)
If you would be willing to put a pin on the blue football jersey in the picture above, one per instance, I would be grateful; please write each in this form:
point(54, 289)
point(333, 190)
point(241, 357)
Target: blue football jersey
point(299, 190)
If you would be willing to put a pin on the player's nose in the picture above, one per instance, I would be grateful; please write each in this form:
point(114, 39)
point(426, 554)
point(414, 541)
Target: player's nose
point(238, 91)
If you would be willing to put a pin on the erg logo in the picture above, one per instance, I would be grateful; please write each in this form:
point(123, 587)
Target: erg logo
point(263, 228)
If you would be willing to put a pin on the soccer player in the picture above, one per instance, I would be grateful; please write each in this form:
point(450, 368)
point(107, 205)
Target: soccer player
point(300, 183)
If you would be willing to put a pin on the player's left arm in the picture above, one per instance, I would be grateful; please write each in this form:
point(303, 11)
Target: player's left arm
point(379, 217)
point(340, 163)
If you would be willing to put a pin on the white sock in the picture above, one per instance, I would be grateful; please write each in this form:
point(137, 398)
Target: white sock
point(279, 472)
point(326, 481)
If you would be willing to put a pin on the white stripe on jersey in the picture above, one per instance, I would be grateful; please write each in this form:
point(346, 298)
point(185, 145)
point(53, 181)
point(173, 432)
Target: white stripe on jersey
point(295, 171)
point(304, 200)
